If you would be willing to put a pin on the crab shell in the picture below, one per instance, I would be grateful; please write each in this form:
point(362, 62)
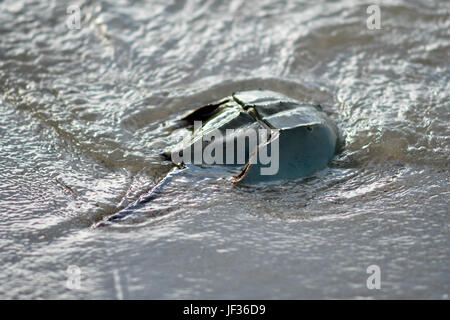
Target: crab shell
point(299, 137)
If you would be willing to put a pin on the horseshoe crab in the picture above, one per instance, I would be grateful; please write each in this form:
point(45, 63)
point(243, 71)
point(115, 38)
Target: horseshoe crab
point(265, 135)
point(272, 137)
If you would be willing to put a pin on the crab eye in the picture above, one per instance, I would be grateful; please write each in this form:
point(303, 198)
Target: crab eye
point(309, 128)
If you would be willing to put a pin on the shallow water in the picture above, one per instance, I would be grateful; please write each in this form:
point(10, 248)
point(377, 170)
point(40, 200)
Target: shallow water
point(83, 113)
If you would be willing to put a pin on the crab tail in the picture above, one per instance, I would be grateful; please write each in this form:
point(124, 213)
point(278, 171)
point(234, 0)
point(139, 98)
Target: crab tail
point(139, 203)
